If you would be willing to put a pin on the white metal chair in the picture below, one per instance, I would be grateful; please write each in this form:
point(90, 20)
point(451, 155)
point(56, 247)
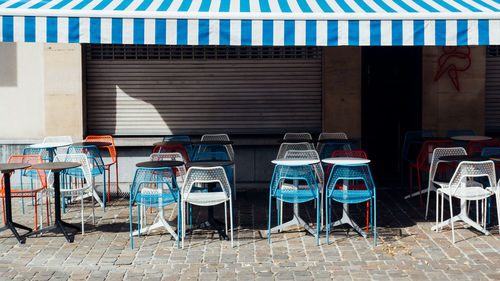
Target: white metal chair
point(206, 175)
point(284, 147)
point(462, 188)
point(436, 154)
point(297, 136)
point(80, 191)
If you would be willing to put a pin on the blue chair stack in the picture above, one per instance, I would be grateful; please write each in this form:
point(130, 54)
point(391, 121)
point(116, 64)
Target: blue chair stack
point(357, 172)
point(299, 194)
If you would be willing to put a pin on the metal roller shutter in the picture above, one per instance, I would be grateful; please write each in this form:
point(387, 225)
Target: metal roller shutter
point(162, 90)
point(492, 110)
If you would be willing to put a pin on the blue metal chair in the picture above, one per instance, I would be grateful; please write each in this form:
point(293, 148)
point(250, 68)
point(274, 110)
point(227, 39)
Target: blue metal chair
point(299, 194)
point(325, 150)
point(189, 148)
point(358, 172)
point(452, 133)
point(154, 188)
point(97, 164)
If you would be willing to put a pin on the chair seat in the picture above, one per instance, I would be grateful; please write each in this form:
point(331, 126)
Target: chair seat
point(351, 196)
point(468, 193)
point(155, 200)
point(294, 196)
point(206, 198)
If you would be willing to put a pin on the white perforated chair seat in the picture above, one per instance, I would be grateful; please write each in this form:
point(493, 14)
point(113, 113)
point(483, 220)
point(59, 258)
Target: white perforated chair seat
point(468, 193)
point(206, 198)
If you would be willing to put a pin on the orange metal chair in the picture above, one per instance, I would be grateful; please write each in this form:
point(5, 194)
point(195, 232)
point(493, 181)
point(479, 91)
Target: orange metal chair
point(32, 193)
point(476, 147)
point(112, 153)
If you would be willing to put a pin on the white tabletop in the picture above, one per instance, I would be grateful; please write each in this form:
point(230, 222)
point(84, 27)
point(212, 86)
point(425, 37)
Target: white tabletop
point(50, 144)
point(470, 138)
point(295, 161)
point(346, 160)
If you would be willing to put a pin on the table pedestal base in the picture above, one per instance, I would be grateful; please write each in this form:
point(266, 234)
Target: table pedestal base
point(462, 216)
point(162, 222)
point(296, 220)
point(58, 225)
point(347, 220)
point(418, 192)
point(12, 226)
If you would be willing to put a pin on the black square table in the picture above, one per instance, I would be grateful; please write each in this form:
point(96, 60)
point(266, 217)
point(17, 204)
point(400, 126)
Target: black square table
point(56, 168)
point(6, 169)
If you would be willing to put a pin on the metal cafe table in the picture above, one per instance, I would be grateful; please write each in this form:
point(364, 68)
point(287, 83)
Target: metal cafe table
point(346, 219)
point(463, 215)
point(59, 224)
point(211, 221)
point(296, 220)
point(162, 222)
point(6, 169)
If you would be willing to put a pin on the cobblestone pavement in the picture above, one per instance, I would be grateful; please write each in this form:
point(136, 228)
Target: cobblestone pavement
point(407, 248)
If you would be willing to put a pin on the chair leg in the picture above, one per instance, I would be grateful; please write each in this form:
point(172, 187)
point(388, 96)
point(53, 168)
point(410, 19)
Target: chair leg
point(374, 204)
point(231, 220)
point(451, 221)
point(130, 220)
point(109, 182)
point(420, 188)
point(104, 192)
point(117, 187)
point(411, 181)
point(183, 228)
point(36, 212)
point(437, 210)
point(328, 221)
point(367, 216)
point(427, 203)
point(269, 220)
point(83, 225)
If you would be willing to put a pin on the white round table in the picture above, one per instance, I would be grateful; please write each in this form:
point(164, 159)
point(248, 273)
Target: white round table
point(346, 219)
point(51, 147)
point(346, 160)
point(295, 162)
point(471, 138)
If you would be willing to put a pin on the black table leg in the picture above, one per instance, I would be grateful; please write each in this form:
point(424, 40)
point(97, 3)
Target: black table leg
point(58, 223)
point(9, 224)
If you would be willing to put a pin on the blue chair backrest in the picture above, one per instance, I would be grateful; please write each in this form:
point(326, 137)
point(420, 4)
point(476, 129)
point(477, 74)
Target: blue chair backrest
point(210, 152)
point(156, 178)
point(299, 173)
point(359, 172)
point(92, 153)
point(490, 151)
point(452, 133)
point(45, 153)
point(410, 138)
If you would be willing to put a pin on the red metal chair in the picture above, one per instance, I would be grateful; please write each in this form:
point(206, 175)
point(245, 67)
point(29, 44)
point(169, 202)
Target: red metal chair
point(355, 186)
point(29, 193)
point(476, 147)
point(112, 153)
point(424, 159)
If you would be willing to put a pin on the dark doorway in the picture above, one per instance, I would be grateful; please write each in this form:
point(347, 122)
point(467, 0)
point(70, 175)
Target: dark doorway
point(391, 105)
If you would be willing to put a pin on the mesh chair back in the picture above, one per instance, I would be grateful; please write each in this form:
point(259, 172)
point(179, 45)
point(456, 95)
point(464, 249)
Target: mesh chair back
point(64, 139)
point(440, 152)
point(452, 133)
point(425, 154)
point(93, 155)
point(220, 137)
point(346, 153)
point(176, 138)
point(179, 171)
point(308, 154)
point(410, 138)
point(173, 149)
point(284, 147)
point(300, 193)
point(472, 169)
point(476, 147)
point(84, 171)
point(297, 136)
point(161, 179)
point(29, 172)
point(43, 152)
point(490, 151)
point(326, 149)
point(351, 173)
point(197, 175)
point(111, 148)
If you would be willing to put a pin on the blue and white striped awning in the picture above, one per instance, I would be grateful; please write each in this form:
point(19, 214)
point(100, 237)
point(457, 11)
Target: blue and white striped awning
point(253, 22)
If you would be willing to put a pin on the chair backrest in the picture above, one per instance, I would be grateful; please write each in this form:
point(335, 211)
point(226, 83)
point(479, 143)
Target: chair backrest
point(440, 152)
point(179, 171)
point(476, 147)
point(85, 168)
point(29, 159)
point(197, 175)
point(300, 193)
point(346, 153)
point(489, 151)
point(284, 147)
point(154, 178)
point(65, 139)
point(326, 149)
point(297, 136)
point(177, 138)
point(350, 172)
point(308, 154)
point(410, 138)
point(111, 148)
point(220, 137)
point(452, 133)
point(425, 154)
point(173, 149)
point(43, 152)
point(93, 155)
point(472, 169)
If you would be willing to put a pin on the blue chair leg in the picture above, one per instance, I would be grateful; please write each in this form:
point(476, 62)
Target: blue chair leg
point(279, 210)
point(375, 219)
point(328, 220)
point(130, 220)
point(104, 192)
point(138, 220)
point(318, 223)
point(489, 213)
point(179, 219)
point(269, 220)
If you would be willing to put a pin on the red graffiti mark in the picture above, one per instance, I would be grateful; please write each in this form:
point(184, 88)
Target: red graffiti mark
point(448, 63)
